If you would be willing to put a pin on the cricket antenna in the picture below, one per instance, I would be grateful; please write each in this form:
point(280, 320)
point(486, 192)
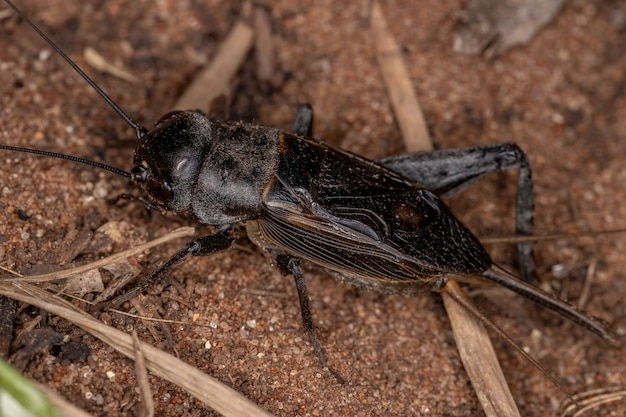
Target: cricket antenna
point(139, 130)
point(69, 158)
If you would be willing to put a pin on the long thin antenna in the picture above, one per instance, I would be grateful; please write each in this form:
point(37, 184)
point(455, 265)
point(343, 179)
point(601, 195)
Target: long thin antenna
point(69, 158)
point(138, 129)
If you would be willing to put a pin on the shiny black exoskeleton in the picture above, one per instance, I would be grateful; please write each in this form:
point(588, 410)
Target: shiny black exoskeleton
point(370, 223)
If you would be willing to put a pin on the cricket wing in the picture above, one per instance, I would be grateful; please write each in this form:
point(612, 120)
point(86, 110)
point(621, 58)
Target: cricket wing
point(401, 238)
point(344, 246)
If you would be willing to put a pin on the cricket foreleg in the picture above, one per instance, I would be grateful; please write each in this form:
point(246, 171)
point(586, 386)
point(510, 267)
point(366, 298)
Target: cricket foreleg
point(206, 245)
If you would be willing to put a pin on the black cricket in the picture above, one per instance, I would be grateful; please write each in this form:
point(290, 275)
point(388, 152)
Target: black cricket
point(381, 225)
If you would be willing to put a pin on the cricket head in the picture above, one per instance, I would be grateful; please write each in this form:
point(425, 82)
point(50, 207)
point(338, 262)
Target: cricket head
point(168, 157)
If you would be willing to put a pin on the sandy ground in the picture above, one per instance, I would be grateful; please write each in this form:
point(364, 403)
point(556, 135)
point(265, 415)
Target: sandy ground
point(562, 99)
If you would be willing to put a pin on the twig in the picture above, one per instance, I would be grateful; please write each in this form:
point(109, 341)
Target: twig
point(215, 79)
point(147, 402)
point(478, 356)
point(53, 276)
point(591, 273)
point(100, 63)
point(399, 86)
point(263, 45)
point(585, 401)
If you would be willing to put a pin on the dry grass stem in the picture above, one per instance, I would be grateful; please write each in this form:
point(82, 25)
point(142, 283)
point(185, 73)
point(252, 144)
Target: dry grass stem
point(160, 320)
point(53, 276)
point(549, 236)
point(147, 402)
point(479, 357)
point(579, 404)
point(589, 276)
point(210, 391)
point(100, 63)
point(215, 80)
point(400, 89)
point(263, 45)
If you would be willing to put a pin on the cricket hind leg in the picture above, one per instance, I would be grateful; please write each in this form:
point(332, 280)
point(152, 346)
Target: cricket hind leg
point(290, 265)
point(450, 171)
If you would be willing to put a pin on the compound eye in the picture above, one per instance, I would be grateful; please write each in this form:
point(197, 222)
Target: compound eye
point(140, 174)
point(156, 187)
point(160, 190)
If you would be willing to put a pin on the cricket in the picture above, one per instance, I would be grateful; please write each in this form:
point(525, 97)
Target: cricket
point(380, 224)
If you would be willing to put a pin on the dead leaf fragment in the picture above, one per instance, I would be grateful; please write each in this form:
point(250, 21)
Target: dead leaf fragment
point(494, 26)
